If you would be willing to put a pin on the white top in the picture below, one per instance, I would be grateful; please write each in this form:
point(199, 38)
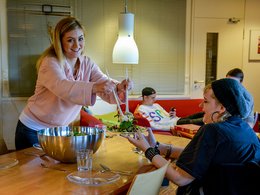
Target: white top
point(158, 118)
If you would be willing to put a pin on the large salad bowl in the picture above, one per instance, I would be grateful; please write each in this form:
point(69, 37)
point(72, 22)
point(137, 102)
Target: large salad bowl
point(61, 143)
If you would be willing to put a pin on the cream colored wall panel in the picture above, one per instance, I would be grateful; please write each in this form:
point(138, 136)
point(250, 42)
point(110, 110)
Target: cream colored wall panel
point(1, 121)
point(11, 110)
point(251, 68)
point(219, 8)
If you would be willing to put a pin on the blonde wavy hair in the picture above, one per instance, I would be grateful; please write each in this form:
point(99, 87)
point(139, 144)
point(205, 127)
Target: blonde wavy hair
point(63, 26)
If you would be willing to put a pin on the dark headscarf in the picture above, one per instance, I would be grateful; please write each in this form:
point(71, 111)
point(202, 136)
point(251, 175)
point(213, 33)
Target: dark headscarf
point(233, 96)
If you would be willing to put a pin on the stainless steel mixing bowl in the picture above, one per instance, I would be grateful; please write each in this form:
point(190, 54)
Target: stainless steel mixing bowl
point(61, 143)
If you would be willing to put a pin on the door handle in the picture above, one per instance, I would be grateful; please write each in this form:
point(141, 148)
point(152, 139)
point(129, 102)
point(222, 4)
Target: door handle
point(201, 81)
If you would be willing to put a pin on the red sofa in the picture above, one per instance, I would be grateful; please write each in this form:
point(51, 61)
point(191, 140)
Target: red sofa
point(184, 107)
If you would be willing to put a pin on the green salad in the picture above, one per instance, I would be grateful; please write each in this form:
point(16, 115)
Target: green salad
point(75, 133)
point(125, 125)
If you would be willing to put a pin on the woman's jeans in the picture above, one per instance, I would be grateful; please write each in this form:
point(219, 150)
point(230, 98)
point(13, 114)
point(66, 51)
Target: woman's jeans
point(24, 136)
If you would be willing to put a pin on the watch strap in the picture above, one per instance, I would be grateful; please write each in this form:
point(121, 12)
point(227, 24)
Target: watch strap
point(151, 152)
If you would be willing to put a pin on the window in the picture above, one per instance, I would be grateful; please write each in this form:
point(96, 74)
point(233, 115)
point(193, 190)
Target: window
point(160, 34)
point(28, 36)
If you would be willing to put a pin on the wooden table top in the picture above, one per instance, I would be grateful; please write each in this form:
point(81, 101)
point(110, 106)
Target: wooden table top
point(29, 177)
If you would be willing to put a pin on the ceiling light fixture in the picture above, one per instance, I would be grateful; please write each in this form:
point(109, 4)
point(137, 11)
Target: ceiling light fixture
point(125, 50)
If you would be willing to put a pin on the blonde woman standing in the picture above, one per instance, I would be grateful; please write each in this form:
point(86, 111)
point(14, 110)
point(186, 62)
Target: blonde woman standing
point(67, 79)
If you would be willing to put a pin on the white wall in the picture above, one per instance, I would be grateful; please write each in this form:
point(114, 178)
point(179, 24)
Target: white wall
point(212, 12)
point(251, 69)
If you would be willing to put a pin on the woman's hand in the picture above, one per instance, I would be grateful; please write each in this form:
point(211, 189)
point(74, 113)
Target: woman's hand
point(126, 84)
point(139, 141)
point(121, 89)
point(105, 87)
point(150, 137)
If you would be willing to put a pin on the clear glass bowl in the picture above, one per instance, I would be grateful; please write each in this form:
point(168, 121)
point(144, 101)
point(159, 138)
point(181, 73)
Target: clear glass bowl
point(93, 178)
point(6, 163)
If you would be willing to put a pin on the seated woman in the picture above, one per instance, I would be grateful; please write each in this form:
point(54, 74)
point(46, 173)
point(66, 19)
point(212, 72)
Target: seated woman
point(225, 137)
point(159, 118)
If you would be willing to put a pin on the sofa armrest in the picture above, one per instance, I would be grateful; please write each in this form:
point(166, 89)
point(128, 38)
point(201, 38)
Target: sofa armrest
point(88, 120)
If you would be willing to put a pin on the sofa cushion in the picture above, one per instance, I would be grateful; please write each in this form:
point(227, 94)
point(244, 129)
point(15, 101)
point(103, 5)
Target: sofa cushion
point(111, 116)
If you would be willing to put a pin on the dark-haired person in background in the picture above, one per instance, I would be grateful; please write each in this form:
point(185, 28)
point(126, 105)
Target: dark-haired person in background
point(236, 73)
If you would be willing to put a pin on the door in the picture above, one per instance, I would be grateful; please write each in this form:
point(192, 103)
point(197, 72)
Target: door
point(228, 37)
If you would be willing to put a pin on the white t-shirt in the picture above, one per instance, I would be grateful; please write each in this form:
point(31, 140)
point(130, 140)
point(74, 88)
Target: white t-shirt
point(158, 118)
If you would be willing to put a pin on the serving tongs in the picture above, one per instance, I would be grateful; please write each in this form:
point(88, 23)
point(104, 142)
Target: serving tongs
point(106, 168)
point(128, 115)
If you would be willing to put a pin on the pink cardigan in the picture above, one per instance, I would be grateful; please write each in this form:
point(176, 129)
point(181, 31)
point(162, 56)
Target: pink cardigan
point(58, 97)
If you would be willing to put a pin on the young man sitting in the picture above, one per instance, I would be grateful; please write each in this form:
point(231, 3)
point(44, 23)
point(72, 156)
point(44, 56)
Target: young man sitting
point(158, 117)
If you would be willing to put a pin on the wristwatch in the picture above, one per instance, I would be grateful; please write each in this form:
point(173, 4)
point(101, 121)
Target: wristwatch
point(157, 145)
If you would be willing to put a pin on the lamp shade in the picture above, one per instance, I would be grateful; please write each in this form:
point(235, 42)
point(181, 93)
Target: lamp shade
point(125, 50)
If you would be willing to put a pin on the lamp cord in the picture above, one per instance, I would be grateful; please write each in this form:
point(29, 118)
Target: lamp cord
point(126, 6)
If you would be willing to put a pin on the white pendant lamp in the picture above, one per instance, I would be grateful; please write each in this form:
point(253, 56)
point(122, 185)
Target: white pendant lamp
point(125, 50)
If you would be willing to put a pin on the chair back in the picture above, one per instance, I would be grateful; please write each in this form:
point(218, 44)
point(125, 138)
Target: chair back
point(234, 179)
point(148, 183)
point(255, 123)
point(230, 178)
point(3, 147)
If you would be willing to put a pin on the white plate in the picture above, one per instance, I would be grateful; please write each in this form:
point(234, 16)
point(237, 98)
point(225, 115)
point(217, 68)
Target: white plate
point(37, 146)
point(93, 178)
point(6, 163)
